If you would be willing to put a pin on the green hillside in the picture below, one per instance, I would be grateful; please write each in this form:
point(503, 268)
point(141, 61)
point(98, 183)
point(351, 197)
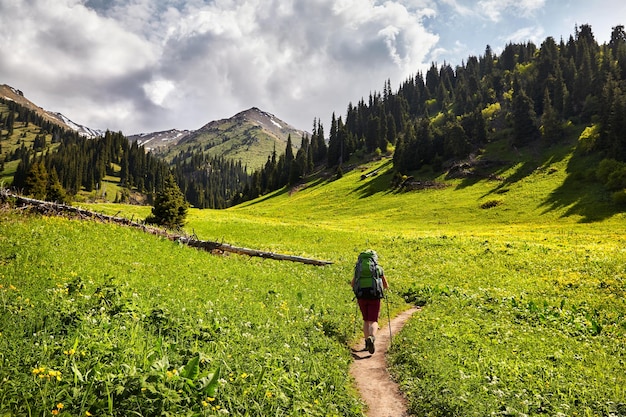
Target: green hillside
point(505, 224)
point(523, 301)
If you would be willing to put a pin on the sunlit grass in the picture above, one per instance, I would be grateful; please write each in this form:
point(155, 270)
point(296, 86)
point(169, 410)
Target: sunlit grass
point(523, 314)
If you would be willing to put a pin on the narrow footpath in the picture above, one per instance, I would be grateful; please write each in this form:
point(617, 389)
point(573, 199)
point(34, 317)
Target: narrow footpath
point(380, 393)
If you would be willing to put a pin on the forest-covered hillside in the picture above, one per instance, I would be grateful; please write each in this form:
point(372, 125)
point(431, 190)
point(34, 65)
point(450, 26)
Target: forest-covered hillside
point(528, 95)
point(562, 91)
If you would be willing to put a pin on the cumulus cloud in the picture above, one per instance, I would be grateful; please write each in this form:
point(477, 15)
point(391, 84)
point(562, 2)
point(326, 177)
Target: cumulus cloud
point(140, 65)
point(145, 65)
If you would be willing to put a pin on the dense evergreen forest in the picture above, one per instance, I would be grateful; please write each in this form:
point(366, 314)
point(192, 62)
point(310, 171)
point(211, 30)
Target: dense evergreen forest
point(526, 95)
point(59, 162)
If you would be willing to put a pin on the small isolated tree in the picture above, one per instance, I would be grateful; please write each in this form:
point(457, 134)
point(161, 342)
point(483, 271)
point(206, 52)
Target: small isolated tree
point(170, 207)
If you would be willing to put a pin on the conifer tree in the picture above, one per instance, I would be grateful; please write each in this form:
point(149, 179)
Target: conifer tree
point(524, 126)
point(54, 190)
point(552, 129)
point(170, 207)
point(37, 181)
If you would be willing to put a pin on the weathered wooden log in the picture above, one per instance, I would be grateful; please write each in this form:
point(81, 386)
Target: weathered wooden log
point(47, 207)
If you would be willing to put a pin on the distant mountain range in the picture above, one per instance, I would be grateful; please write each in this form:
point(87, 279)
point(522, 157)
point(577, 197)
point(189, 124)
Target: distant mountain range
point(9, 93)
point(249, 136)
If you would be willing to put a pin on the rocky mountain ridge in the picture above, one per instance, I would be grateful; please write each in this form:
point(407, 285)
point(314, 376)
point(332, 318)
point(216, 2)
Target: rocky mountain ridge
point(12, 94)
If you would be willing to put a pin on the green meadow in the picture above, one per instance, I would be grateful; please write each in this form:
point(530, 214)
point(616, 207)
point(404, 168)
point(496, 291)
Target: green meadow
point(521, 281)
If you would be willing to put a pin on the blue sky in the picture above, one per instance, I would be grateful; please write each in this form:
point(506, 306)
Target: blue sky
point(150, 65)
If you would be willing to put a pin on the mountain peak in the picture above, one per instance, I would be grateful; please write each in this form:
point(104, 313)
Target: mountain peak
point(249, 136)
point(265, 120)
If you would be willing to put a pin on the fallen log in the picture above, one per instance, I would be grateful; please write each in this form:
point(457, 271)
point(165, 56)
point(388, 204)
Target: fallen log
point(47, 207)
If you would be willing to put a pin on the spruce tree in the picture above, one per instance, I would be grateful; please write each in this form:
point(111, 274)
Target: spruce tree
point(37, 181)
point(55, 191)
point(170, 207)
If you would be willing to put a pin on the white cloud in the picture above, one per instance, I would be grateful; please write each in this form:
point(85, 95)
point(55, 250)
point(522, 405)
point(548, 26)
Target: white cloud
point(145, 65)
point(158, 90)
point(494, 9)
point(522, 35)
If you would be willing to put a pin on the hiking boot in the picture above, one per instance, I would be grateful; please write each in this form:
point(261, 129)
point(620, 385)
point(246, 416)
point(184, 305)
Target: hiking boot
point(371, 348)
point(368, 344)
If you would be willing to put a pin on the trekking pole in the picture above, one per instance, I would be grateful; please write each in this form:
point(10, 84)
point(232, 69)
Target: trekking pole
point(356, 314)
point(388, 319)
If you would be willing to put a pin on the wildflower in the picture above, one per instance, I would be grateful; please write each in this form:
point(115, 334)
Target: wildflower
point(60, 406)
point(88, 414)
point(12, 287)
point(210, 399)
point(205, 404)
point(244, 375)
point(55, 412)
point(268, 394)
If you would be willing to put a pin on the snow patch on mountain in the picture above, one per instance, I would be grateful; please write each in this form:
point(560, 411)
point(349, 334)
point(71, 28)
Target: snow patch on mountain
point(155, 140)
point(82, 130)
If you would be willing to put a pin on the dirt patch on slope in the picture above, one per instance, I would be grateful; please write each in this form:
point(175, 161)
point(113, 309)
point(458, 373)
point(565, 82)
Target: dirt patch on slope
point(381, 394)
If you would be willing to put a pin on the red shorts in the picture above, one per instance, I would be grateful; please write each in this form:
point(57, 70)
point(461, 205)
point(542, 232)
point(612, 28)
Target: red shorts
point(369, 309)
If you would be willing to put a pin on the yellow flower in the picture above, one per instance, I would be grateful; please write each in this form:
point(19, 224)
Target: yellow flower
point(205, 404)
point(88, 414)
point(60, 406)
point(210, 399)
point(268, 394)
point(55, 412)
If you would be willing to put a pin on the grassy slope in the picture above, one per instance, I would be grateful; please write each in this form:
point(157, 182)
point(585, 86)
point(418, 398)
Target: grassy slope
point(515, 295)
point(22, 134)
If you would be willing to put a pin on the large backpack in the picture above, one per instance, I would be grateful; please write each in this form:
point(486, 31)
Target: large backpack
point(368, 281)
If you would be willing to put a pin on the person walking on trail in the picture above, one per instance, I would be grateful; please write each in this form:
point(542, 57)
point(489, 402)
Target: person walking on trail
point(368, 284)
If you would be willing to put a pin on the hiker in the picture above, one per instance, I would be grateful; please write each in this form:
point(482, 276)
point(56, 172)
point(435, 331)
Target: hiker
point(368, 284)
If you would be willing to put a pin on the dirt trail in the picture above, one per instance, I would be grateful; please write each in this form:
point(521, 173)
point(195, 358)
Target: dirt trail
point(380, 393)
